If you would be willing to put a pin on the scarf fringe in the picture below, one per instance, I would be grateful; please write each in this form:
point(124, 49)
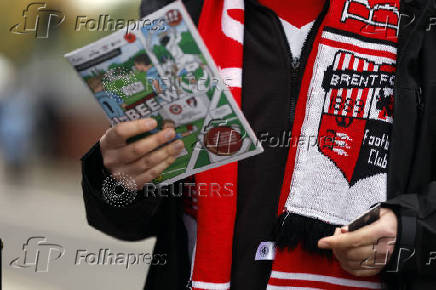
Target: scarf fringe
point(293, 229)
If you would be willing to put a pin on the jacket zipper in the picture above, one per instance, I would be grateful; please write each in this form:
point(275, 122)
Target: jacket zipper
point(296, 69)
point(419, 100)
point(292, 68)
point(296, 66)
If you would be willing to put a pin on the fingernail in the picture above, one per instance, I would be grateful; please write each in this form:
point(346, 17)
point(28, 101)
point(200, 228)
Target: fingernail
point(169, 134)
point(178, 145)
point(321, 244)
point(150, 123)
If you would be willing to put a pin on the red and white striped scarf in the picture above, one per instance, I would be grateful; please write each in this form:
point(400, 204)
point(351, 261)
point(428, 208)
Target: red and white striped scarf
point(222, 29)
point(346, 95)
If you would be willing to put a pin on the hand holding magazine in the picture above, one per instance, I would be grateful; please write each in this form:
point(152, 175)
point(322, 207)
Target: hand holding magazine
point(160, 68)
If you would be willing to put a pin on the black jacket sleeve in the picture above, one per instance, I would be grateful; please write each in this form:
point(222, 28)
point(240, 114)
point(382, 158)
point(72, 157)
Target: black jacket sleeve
point(137, 221)
point(415, 250)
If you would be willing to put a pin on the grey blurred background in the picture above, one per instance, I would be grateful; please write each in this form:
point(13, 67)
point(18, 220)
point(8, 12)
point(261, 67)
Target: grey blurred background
point(48, 120)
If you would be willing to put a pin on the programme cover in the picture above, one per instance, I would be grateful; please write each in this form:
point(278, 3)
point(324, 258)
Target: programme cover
point(161, 68)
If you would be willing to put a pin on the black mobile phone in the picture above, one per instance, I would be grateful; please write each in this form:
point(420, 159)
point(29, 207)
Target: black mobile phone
point(366, 218)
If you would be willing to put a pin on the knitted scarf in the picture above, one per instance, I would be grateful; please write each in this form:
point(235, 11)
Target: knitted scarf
point(338, 167)
point(221, 26)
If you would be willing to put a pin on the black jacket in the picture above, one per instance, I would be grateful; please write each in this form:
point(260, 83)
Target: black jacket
point(411, 175)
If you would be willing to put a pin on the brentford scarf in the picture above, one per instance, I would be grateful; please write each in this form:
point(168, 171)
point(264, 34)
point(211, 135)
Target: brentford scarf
point(337, 168)
point(221, 26)
point(346, 103)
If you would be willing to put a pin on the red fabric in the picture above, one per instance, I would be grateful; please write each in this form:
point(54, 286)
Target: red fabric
point(352, 47)
point(190, 199)
point(216, 214)
point(296, 12)
point(296, 262)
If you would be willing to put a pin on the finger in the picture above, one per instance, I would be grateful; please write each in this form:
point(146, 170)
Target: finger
point(103, 141)
point(363, 272)
point(384, 211)
point(372, 263)
point(359, 268)
point(367, 235)
point(336, 233)
point(138, 149)
point(367, 261)
point(116, 137)
point(364, 236)
point(154, 172)
point(153, 158)
point(358, 254)
point(357, 265)
point(338, 254)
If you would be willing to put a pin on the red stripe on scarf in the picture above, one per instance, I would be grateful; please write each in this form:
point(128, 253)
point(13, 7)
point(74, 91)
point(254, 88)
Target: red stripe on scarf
point(355, 48)
point(216, 214)
point(303, 269)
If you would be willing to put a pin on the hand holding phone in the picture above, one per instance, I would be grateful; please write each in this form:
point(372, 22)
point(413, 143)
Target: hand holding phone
point(366, 218)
